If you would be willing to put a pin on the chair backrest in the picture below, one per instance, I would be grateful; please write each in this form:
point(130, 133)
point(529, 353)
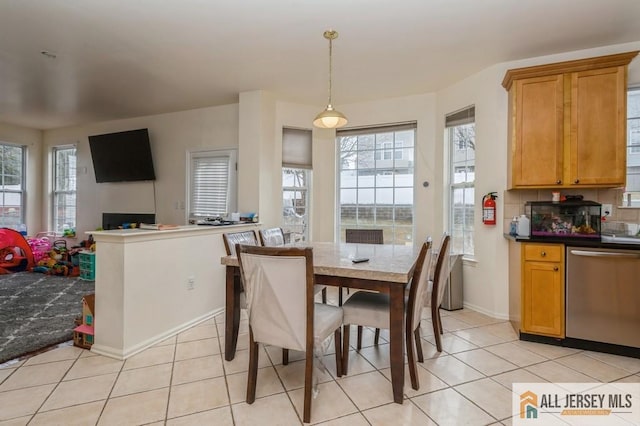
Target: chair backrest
point(443, 268)
point(272, 237)
point(279, 287)
point(434, 255)
point(365, 236)
point(233, 238)
point(419, 284)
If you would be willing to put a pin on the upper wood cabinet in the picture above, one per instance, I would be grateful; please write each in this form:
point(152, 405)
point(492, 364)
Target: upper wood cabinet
point(567, 123)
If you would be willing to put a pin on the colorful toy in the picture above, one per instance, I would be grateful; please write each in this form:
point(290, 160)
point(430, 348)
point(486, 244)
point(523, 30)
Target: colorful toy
point(15, 252)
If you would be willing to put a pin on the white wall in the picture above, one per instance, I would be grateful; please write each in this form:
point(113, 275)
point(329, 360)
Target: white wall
point(171, 135)
point(259, 118)
point(486, 280)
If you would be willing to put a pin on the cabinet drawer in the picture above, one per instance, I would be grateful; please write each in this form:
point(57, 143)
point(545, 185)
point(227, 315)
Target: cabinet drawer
point(544, 252)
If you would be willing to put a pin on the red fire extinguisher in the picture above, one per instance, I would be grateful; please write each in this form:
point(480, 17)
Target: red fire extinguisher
point(489, 208)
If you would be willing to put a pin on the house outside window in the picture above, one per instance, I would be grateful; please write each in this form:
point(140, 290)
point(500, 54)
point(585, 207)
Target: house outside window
point(631, 196)
point(375, 180)
point(460, 137)
point(64, 189)
point(211, 184)
point(12, 185)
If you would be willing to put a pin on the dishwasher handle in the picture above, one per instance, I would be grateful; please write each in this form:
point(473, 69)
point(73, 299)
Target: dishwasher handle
point(608, 254)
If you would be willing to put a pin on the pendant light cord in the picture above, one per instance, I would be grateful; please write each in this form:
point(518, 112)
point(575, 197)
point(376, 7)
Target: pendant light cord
point(330, 65)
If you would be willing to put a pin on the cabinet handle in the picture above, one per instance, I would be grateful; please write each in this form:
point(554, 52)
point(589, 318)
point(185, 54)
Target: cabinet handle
point(543, 253)
point(555, 268)
point(576, 181)
point(559, 182)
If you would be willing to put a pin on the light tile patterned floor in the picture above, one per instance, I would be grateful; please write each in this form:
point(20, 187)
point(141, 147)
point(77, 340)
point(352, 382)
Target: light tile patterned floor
point(185, 381)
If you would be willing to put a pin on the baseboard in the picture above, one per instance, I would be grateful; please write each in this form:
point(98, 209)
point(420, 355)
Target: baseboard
point(571, 342)
point(122, 354)
point(501, 316)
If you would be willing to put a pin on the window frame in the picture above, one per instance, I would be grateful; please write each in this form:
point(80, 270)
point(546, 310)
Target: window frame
point(21, 191)
point(305, 194)
point(375, 150)
point(466, 237)
point(55, 192)
point(631, 199)
point(231, 156)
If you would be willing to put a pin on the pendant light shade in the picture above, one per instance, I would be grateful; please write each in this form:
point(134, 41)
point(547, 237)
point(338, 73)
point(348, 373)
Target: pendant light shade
point(330, 118)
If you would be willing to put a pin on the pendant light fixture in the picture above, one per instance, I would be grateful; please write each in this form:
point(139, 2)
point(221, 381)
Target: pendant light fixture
point(330, 118)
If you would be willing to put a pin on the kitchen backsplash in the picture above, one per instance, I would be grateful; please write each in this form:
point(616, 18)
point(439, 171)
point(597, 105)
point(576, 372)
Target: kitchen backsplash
point(514, 200)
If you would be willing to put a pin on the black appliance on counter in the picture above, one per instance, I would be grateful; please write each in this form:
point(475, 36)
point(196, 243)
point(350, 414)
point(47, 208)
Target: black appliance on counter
point(578, 219)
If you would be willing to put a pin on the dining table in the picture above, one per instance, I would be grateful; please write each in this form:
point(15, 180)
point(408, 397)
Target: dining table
point(388, 269)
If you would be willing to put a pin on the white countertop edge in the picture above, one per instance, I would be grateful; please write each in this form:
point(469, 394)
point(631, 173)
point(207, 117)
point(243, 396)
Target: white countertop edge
point(184, 230)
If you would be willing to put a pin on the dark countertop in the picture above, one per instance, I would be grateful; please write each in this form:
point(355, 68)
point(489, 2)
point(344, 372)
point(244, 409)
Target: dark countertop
point(575, 242)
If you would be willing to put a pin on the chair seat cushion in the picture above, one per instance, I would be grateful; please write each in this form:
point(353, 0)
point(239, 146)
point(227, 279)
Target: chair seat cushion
point(327, 318)
point(367, 308)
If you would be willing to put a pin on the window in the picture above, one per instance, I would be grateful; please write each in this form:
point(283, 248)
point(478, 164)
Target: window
point(389, 151)
point(375, 180)
point(631, 196)
point(211, 183)
point(12, 160)
point(64, 188)
point(296, 180)
point(461, 138)
point(295, 203)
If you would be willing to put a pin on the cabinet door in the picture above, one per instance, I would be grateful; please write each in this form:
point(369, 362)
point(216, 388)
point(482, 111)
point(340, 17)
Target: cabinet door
point(598, 127)
point(537, 154)
point(543, 298)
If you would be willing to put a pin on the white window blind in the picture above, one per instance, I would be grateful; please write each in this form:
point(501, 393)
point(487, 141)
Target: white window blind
point(464, 116)
point(211, 183)
point(296, 148)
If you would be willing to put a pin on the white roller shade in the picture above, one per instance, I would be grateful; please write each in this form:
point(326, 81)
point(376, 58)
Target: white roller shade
point(296, 148)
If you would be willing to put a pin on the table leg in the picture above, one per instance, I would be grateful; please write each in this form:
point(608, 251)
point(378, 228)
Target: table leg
point(396, 344)
point(232, 312)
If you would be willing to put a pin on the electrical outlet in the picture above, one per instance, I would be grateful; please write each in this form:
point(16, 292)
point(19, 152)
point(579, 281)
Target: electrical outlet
point(607, 209)
point(191, 283)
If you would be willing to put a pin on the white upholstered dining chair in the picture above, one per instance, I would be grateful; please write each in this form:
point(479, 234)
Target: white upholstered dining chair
point(372, 309)
point(282, 312)
point(274, 237)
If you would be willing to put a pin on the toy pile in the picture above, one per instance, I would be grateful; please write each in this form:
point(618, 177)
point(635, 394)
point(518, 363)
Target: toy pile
point(60, 260)
point(57, 261)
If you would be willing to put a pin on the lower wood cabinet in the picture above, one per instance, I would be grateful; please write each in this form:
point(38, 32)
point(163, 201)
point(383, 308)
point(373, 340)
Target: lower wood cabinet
point(542, 289)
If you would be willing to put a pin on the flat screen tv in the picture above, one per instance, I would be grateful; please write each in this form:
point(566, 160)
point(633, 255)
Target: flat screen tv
point(122, 156)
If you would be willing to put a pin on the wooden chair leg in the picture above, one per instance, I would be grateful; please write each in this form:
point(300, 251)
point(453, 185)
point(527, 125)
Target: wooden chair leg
point(339, 296)
point(285, 356)
point(359, 344)
point(418, 338)
point(308, 385)
point(411, 358)
point(253, 369)
point(324, 295)
point(439, 320)
point(376, 339)
point(345, 348)
point(436, 327)
point(338, 347)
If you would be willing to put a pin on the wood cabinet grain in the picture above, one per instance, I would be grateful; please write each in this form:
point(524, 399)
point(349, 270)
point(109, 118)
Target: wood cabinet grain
point(567, 123)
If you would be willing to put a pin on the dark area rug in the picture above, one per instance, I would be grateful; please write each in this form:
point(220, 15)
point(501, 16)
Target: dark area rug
point(38, 311)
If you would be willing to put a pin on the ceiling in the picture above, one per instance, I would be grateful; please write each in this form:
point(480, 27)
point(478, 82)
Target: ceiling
point(122, 58)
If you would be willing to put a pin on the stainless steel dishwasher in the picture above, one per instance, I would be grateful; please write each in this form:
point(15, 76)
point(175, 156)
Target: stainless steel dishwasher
point(603, 295)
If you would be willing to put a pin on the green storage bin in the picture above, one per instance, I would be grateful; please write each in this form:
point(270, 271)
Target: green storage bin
point(87, 262)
